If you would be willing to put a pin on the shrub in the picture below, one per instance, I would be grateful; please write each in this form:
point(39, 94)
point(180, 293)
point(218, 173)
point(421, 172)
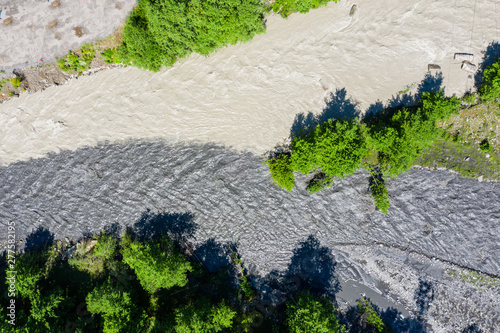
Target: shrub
point(16, 82)
point(312, 315)
point(203, 317)
point(371, 317)
point(336, 146)
point(485, 145)
point(281, 172)
point(320, 182)
point(287, 7)
point(380, 195)
point(77, 61)
point(112, 56)
point(159, 32)
point(157, 264)
point(490, 87)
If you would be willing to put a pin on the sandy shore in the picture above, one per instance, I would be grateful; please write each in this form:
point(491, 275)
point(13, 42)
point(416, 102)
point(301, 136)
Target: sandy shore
point(247, 96)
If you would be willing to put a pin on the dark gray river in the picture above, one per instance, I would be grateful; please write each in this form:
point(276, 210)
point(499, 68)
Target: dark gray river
point(208, 192)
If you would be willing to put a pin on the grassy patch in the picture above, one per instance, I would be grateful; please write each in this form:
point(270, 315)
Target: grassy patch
point(471, 144)
point(476, 279)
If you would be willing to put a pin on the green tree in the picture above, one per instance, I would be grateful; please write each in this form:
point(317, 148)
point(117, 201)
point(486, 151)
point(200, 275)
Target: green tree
point(116, 308)
point(336, 146)
point(203, 317)
point(157, 264)
point(30, 270)
point(159, 32)
point(43, 307)
point(490, 87)
point(310, 314)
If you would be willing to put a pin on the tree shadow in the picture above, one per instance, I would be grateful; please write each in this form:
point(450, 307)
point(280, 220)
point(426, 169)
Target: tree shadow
point(175, 225)
point(393, 318)
point(472, 329)
point(424, 295)
point(338, 106)
point(38, 238)
point(430, 83)
point(490, 55)
point(214, 255)
point(312, 268)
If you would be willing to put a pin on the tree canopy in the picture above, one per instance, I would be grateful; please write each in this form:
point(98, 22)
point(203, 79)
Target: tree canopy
point(159, 32)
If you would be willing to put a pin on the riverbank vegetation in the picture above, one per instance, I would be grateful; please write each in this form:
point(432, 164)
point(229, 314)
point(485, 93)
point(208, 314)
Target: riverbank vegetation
point(287, 7)
point(109, 284)
point(433, 133)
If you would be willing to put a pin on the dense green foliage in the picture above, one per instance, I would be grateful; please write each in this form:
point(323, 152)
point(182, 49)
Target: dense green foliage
point(400, 139)
point(159, 32)
point(281, 172)
point(287, 7)
point(203, 317)
point(115, 307)
point(157, 264)
point(490, 87)
point(336, 146)
point(310, 314)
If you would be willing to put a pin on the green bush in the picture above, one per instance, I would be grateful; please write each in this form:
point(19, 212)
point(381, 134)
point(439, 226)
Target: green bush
point(113, 56)
point(490, 87)
point(203, 317)
point(77, 61)
point(287, 7)
point(319, 183)
point(281, 172)
point(312, 315)
point(380, 195)
point(16, 82)
point(159, 32)
point(336, 146)
point(371, 317)
point(157, 264)
point(435, 106)
point(485, 145)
